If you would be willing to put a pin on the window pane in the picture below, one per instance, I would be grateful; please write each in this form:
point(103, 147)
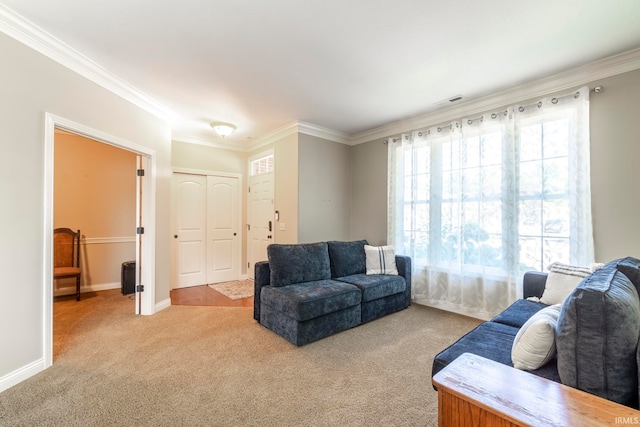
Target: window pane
point(423, 160)
point(530, 249)
point(471, 152)
point(556, 217)
point(530, 217)
point(555, 136)
point(556, 176)
point(423, 189)
point(471, 183)
point(531, 143)
point(492, 181)
point(491, 217)
point(531, 178)
point(491, 149)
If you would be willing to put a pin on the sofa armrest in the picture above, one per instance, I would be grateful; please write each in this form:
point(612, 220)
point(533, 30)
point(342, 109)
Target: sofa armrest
point(261, 277)
point(533, 284)
point(403, 264)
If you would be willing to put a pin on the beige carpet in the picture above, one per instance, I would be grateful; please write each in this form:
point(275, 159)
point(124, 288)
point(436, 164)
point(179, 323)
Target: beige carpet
point(236, 289)
point(215, 366)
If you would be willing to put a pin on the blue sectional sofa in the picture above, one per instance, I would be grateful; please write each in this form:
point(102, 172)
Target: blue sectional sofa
point(305, 292)
point(596, 334)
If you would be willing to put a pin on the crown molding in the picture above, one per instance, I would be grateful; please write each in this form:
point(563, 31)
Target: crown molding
point(589, 73)
point(324, 133)
point(29, 34)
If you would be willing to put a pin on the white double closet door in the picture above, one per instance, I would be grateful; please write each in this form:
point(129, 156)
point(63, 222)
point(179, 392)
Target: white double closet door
point(206, 225)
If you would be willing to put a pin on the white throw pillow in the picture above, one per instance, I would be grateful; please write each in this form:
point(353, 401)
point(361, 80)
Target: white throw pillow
point(562, 279)
point(535, 342)
point(380, 260)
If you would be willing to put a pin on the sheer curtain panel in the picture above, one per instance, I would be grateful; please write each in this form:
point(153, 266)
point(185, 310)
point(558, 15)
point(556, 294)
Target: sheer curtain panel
point(478, 201)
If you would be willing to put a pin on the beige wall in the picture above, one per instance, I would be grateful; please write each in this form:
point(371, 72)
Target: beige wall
point(324, 189)
point(32, 85)
point(615, 162)
point(95, 192)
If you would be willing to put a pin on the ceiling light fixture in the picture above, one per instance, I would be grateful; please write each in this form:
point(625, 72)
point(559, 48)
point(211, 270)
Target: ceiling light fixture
point(223, 129)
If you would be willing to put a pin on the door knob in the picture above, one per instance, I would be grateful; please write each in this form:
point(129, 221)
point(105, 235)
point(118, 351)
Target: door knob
point(175, 236)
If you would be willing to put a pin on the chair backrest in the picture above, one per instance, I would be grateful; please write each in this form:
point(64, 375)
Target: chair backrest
point(66, 248)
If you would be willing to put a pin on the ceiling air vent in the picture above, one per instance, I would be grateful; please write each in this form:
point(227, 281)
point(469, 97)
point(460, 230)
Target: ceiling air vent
point(449, 101)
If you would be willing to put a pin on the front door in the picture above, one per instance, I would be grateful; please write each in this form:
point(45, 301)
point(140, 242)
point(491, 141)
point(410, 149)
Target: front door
point(261, 221)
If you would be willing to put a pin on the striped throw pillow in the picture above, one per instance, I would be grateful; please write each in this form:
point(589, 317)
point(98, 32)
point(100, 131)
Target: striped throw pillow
point(561, 281)
point(380, 260)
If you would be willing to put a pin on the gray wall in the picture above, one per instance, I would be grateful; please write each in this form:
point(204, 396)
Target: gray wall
point(615, 166)
point(30, 86)
point(615, 172)
point(369, 192)
point(324, 194)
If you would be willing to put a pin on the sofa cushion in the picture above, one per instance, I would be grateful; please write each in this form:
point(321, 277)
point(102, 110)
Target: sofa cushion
point(535, 343)
point(493, 341)
point(346, 258)
point(489, 339)
point(297, 263)
point(304, 301)
point(518, 313)
point(597, 337)
point(376, 286)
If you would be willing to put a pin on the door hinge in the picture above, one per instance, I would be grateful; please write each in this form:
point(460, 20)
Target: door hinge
point(140, 172)
point(249, 189)
point(140, 230)
point(139, 288)
point(248, 265)
point(249, 227)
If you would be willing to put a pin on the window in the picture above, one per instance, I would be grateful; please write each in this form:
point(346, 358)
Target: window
point(262, 165)
point(478, 202)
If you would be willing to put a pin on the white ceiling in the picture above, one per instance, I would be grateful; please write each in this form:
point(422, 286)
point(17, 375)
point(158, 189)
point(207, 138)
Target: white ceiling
point(346, 65)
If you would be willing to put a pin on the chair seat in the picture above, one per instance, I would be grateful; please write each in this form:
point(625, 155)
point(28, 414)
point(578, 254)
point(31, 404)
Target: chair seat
point(65, 271)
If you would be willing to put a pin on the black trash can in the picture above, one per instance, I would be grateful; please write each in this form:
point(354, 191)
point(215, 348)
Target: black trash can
point(128, 277)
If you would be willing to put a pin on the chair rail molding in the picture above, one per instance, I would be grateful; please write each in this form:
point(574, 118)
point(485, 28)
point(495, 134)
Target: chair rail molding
point(106, 240)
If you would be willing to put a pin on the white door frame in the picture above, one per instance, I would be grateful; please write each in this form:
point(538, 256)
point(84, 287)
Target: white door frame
point(148, 261)
point(240, 207)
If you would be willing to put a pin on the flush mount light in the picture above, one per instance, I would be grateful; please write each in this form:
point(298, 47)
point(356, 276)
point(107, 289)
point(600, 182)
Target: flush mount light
point(223, 129)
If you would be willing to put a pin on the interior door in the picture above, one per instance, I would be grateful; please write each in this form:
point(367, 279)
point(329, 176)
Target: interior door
point(261, 221)
point(223, 224)
point(189, 249)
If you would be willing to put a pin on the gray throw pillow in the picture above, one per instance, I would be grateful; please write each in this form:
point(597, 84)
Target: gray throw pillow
point(597, 337)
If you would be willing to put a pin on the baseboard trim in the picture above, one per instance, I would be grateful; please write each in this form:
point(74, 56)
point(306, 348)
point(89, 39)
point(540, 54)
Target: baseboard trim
point(19, 375)
point(71, 290)
point(163, 304)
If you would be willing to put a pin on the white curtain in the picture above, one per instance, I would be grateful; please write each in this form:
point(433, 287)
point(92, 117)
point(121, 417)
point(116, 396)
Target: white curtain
point(478, 201)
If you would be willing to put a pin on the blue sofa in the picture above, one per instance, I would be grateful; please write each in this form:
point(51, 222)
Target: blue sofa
point(597, 333)
point(305, 292)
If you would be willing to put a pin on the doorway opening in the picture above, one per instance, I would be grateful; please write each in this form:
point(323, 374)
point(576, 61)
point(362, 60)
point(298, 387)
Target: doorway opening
point(145, 215)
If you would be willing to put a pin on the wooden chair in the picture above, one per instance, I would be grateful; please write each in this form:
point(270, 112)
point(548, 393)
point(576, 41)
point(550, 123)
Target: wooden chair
point(66, 256)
